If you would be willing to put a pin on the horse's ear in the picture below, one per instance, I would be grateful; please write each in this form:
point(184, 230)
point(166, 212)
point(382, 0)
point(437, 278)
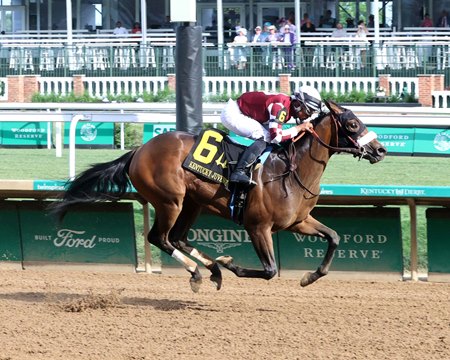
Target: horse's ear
point(333, 107)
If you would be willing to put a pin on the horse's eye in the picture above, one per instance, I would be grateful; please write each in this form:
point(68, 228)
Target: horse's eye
point(352, 125)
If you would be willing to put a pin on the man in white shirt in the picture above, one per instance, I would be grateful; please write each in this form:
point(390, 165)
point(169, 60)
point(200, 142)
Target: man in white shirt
point(119, 29)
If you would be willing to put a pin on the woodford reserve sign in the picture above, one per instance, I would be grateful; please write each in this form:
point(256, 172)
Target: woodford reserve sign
point(370, 241)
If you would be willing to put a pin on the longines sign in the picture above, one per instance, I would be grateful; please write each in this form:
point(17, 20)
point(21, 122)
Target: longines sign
point(370, 241)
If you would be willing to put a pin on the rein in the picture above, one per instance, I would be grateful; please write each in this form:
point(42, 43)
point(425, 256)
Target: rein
point(291, 154)
point(292, 166)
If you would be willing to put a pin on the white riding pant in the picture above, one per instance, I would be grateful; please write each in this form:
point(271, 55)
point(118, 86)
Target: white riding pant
point(234, 120)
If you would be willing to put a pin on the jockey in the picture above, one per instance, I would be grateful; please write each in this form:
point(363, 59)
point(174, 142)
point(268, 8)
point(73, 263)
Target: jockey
point(260, 116)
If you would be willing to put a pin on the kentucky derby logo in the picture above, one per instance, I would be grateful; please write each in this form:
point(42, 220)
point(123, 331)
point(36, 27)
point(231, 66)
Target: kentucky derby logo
point(442, 141)
point(88, 132)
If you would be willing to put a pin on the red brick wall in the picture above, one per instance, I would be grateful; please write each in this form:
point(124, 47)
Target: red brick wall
point(383, 81)
point(427, 84)
point(285, 84)
point(171, 82)
point(30, 87)
point(21, 88)
point(15, 88)
point(78, 85)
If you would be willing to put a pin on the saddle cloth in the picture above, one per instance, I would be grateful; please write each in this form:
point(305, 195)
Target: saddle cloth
point(213, 156)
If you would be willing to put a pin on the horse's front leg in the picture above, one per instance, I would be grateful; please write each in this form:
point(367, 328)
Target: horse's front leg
point(178, 238)
point(311, 226)
point(263, 244)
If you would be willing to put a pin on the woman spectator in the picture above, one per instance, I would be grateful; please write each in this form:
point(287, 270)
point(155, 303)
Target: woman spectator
point(240, 53)
point(361, 34)
point(426, 22)
point(288, 39)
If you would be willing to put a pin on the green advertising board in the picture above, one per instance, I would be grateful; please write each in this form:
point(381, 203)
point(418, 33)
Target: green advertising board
point(396, 139)
point(14, 133)
point(152, 130)
point(91, 134)
point(370, 241)
point(438, 234)
point(432, 141)
point(99, 233)
point(10, 248)
point(217, 237)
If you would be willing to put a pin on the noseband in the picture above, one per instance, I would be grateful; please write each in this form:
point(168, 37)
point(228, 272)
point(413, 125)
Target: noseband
point(357, 150)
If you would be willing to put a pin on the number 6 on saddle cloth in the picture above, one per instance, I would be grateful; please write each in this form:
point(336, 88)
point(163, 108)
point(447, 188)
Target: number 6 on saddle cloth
point(214, 156)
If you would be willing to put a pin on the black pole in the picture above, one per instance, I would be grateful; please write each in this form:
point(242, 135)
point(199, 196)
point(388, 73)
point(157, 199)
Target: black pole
point(189, 85)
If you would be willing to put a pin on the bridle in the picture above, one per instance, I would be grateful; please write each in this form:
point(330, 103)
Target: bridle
point(357, 150)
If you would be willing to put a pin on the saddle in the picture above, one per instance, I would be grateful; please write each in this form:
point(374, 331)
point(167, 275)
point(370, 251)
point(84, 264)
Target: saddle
point(214, 156)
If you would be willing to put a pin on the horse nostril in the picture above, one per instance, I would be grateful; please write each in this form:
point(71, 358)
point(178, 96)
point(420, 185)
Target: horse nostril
point(381, 151)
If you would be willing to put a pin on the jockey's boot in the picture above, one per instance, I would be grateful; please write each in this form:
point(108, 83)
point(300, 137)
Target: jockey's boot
point(248, 157)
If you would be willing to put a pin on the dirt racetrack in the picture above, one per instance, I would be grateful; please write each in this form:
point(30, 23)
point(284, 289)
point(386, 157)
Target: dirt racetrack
point(80, 315)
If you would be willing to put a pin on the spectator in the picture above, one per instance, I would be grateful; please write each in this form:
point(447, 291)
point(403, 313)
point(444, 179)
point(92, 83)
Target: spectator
point(305, 17)
point(136, 28)
point(119, 29)
point(327, 21)
point(361, 33)
point(371, 22)
point(308, 26)
point(288, 38)
point(240, 52)
point(258, 36)
point(265, 33)
point(426, 22)
point(272, 37)
point(291, 22)
point(167, 24)
point(350, 23)
point(339, 32)
point(444, 20)
point(308, 51)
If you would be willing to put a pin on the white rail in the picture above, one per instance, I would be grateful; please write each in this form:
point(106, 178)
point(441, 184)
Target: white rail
point(136, 86)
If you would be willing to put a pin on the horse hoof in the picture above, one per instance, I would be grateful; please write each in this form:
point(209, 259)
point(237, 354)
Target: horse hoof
point(195, 284)
point(216, 281)
point(308, 278)
point(224, 260)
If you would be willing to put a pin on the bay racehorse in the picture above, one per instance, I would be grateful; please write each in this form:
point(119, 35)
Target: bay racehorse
point(287, 190)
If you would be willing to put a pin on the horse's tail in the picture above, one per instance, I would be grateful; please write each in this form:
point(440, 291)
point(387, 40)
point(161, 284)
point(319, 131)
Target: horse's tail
point(102, 182)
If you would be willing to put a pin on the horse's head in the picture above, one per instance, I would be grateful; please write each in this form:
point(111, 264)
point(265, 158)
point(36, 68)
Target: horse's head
point(353, 135)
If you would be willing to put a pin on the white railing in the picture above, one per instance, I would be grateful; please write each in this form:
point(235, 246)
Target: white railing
point(401, 85)
point(55, 85)
point(134, 86)
point(338, 84)
point(233, 85)
point(441, 99)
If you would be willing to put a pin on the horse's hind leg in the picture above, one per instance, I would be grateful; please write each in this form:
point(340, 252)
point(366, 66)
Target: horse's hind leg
point(311, 226)
point(159, 235)
point(178, 238)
